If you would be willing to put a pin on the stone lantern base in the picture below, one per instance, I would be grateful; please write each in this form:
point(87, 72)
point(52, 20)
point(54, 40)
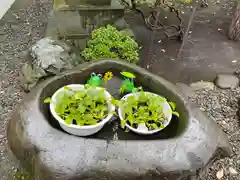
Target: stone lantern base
point(76, 19)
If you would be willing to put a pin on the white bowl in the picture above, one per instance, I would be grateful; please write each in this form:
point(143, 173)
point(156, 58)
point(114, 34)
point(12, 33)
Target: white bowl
point(142, 129)
point(75, 129)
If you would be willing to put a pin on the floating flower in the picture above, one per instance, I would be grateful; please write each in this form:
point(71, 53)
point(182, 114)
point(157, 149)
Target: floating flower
point(108, 76)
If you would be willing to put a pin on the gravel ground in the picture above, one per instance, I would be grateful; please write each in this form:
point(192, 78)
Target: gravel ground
point(18, 31)
point(27, 25)
point(222, 106)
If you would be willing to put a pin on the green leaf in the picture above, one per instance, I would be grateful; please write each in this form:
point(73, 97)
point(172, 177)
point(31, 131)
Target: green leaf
point(152, 126)
point(123, 122)
point(80, 122)
point(162, 126)
point(66, 88)
point(47, 100)
point(68, 120)
point(127, 130)
point(128, 75)
point(79, 94)
point(173, 105)
point(175, 113)
point(115, 102)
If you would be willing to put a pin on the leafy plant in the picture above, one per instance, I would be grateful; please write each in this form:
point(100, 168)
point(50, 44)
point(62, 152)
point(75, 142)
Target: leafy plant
point(144, 108)
point(21, 176)
point(84, 107)
point(108, 42)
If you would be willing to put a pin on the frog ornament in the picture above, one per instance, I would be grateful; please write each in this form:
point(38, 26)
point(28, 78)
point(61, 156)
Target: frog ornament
point(128, 83)
point(95, 80)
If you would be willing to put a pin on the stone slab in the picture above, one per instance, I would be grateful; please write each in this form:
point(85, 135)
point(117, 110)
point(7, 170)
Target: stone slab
point(5, 6)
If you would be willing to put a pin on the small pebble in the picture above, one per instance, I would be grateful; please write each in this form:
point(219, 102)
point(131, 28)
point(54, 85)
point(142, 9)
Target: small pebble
point(233, 171)
point(163, 50)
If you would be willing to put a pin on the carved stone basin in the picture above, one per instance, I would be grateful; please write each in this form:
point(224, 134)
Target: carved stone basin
point(186, 145)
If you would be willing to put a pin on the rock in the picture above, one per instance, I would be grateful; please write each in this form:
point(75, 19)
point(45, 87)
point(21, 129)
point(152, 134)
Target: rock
point(220, 174)
point(2, 136)
point(233, 171)
point(48, 57)
point(227, 81)
point(186, 145)
point(51, 55)
point(128, 32)
point(202, 85)
point(30, 76)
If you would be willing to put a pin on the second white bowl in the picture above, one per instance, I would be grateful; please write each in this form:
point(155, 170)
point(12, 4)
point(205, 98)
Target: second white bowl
point(142, 129)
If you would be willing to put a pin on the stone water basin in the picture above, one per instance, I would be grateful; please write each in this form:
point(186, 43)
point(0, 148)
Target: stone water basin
point(48, 152)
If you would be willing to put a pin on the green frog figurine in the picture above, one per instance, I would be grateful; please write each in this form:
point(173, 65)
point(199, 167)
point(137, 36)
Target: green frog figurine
point(95, 80)
point(128, 83)
point(127, 86)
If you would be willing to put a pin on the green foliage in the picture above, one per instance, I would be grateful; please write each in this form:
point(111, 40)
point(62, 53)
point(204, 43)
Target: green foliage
point(47, 100)
point(22, 176)
point(84, 107)
point(144, 108)
point(108, 42)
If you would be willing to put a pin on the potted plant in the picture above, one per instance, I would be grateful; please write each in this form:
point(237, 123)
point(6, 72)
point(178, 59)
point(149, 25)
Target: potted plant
point(145, 112)
point(81, 109)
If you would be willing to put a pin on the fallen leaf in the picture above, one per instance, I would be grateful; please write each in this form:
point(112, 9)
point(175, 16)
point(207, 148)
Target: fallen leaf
point(220, 174)
point(233, 171)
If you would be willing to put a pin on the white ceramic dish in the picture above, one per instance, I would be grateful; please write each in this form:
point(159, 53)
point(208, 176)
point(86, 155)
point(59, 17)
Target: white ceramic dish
point(75, 129)
point(142, 129)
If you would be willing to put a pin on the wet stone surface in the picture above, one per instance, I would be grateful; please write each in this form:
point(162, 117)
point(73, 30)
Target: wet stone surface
point(185, 146)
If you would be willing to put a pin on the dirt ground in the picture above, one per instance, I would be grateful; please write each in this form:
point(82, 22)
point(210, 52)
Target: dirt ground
point(207, 53)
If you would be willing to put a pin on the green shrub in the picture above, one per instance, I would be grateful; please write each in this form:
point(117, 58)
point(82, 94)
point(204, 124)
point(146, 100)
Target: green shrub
point(108, 42)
